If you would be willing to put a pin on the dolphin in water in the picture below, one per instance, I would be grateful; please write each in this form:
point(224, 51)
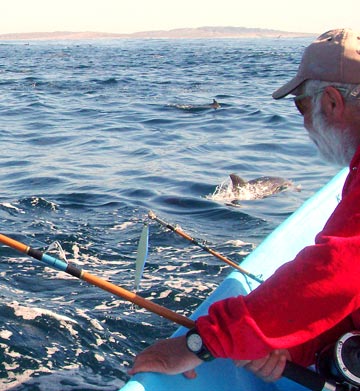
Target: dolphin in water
point(214, 105)
point(259, 187)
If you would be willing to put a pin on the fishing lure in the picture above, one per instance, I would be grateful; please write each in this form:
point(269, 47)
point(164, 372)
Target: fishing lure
point(142, 253)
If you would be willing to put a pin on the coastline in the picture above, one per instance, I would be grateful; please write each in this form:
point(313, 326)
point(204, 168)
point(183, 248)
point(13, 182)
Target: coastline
point(183, 33)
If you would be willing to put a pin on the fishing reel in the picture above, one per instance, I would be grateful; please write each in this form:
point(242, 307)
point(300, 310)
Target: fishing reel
point(341, 362)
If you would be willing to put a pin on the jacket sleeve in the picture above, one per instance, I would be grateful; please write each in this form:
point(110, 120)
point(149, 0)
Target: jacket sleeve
point(305, 354)
point(304, 298)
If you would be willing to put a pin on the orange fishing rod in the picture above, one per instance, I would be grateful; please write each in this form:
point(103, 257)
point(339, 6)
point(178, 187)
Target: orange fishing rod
point(58, 264)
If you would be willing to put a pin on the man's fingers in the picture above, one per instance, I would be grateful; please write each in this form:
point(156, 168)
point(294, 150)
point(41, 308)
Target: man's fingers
point(264, 364)
point(278, 370)
point(241, 363)
point(190, 374)
point(269, 368)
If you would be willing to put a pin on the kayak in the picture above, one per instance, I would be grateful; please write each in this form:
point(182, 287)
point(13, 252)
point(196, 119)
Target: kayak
point(282, 245)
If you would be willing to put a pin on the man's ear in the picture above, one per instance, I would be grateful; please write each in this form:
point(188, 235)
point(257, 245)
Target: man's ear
point(333, 103)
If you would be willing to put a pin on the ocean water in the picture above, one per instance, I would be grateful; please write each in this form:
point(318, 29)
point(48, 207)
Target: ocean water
point(94, 134)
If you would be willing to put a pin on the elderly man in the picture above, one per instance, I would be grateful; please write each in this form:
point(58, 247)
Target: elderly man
point(316, 297)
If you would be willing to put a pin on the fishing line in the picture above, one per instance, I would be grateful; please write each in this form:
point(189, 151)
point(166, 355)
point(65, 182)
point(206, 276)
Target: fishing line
point(58, 249)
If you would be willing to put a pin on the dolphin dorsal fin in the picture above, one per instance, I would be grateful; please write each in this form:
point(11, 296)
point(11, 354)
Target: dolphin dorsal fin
point(237, 181)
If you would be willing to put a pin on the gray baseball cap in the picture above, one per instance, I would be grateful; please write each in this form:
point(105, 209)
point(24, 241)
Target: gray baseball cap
point(334, 56)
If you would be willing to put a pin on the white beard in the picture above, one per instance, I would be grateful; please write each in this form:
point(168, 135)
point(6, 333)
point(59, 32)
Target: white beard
point(335, 145)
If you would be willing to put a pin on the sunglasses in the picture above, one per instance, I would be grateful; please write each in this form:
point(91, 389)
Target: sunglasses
point(299, 102)
point(299, 99)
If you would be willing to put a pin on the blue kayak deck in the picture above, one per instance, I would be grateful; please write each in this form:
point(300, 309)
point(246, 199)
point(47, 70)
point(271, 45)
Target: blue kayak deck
point(279, 247)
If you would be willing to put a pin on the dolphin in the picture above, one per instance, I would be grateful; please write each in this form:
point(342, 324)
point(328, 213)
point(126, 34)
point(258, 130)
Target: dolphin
point(259, 187)
point(214, 105)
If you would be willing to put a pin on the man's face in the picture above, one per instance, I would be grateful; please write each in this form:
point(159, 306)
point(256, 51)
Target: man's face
point(335, 144)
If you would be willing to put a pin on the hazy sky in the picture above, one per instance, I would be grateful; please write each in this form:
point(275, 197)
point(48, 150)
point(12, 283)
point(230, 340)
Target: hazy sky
point(126, 16)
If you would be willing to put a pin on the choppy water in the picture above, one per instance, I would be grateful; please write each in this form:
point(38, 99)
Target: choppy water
point(93, 136)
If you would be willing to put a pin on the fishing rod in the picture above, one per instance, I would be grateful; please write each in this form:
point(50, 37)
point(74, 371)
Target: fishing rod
point(295, 372)
point(58, 264)
point(180, 232)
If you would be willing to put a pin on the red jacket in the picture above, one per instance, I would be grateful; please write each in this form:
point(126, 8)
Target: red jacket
point(307, 303)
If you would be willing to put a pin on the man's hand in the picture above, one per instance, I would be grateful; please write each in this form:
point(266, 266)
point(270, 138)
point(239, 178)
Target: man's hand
point(268, 368)
point(170, 356)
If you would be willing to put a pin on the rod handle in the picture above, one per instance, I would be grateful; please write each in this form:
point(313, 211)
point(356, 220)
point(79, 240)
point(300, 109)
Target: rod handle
point(307, 378)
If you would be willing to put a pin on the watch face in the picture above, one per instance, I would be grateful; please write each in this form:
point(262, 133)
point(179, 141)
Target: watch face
point(194, 342)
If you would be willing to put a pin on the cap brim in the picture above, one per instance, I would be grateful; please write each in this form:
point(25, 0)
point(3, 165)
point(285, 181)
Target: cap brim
point(287, 88)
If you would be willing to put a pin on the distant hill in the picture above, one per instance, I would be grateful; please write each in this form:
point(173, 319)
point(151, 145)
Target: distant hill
point(182, 33)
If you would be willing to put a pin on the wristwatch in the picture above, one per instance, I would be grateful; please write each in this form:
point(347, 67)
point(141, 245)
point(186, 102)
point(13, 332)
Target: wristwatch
point(196, 345)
